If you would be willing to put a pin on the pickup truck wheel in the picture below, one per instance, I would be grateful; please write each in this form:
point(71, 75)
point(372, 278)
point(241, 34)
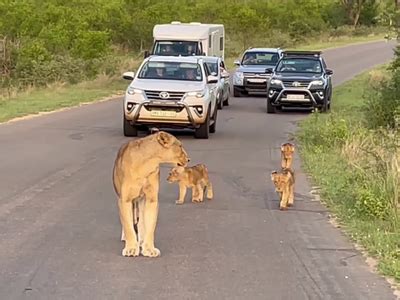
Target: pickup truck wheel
point(324, 107)
point(203, 131)
point(213, 127)
point(129, 130)
point(270, 108)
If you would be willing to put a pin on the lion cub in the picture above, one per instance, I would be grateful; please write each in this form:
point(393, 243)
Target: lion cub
point(284, 185)
point(287, 150)
point(195, 177)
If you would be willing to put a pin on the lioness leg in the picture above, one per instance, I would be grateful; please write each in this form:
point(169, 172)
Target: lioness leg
point(150, 214)
point(125, 205)
point(122, 228)
point(141, 222)
point(182, 193)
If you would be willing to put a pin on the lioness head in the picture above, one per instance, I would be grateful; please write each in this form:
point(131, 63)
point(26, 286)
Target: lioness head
point(175, 174)
point(172, 149)
point(280, 180)
point(287, 150)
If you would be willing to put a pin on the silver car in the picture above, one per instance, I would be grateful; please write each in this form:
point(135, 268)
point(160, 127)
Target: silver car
point(216, 67)
point(171, 92)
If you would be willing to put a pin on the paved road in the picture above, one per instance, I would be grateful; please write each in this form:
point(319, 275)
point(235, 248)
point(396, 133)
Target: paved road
point(59, 225)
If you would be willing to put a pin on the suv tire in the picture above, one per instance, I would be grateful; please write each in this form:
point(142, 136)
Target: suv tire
point(129, 130)
point(270, 108)
point(213, 127)
point(236, 92)
point(203, 131)
point(220, 103)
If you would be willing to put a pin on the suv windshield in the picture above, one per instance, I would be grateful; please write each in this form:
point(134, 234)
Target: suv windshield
point(260, 58)
point(176, 48)
point(299, 65)
point(212, 67)
point(171, 71)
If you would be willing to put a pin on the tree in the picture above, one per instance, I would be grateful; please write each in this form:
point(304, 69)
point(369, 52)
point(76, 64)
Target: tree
point(353, 8)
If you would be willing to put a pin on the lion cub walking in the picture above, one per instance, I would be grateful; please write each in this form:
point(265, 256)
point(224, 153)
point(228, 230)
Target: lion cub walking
point(287, 150)
point(195, 177)
point(284, 186)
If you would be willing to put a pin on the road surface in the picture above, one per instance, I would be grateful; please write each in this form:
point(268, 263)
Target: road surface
point(60, 230)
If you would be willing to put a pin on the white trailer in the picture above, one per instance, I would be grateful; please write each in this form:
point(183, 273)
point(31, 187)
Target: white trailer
point(183, 39)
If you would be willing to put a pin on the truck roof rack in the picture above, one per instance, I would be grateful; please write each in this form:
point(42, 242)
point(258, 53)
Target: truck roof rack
point(301, 53)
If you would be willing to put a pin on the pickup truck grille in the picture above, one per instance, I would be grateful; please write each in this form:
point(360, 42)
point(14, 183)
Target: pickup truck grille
point(158, 95)
point(301, 83)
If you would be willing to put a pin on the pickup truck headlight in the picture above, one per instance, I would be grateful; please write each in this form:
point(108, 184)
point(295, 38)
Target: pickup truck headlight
point(317, 83)
point(276, 82)
point(198, 94)
point(238, 78)
point(132, 91)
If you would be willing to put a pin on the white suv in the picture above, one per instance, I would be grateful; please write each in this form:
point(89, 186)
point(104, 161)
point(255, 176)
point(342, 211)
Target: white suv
point(171, 92)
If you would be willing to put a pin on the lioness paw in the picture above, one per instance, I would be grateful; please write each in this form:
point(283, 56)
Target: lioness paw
point(178, 202)
point(130, 251)
point(151, 252)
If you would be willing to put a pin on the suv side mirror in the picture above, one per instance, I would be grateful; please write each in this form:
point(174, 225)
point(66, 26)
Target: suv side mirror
point(236, 62)
point(224, 74)
point(146, 53)
point(269, 70)
point(329, 72)
point(128, 75)
point(212, 79)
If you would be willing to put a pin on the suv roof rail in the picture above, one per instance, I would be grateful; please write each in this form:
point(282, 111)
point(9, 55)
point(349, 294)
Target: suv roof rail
point(302, 53)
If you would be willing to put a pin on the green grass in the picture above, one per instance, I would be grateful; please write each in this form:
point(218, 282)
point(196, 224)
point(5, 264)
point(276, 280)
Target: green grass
point(321, 139)
point(57, 96)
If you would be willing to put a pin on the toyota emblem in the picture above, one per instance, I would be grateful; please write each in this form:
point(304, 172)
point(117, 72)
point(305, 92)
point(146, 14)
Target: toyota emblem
point(296, 83)
point(164, 95)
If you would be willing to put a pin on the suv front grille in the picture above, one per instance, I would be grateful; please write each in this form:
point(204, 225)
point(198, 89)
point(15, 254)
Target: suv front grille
point(301, 83)
point(156, 95)
point(256, 75)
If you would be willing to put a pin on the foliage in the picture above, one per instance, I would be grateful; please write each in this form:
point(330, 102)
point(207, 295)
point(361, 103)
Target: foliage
point(44, 41)
point(357, 169)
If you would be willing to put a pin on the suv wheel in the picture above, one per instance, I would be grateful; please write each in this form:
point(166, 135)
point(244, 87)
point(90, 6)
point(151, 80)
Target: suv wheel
point(129, 130)
point(236, 92)
point(270, 108)
point(220, 102)
point(213, 127)
point(226, 101)
point(325, 106)
point(203, 131)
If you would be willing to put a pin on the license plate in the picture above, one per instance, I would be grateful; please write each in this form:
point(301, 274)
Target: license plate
point(295, 97)
point(257, 80)
point(163, 113)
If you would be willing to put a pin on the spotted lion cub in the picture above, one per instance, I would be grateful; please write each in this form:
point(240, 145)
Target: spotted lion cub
point(195, 177)
point(284, 186)
point(287, 150)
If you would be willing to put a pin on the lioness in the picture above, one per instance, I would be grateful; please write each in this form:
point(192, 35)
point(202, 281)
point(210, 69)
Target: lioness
point(195, 177)
point(136, 177)
point(284, 186)
point(287, 150)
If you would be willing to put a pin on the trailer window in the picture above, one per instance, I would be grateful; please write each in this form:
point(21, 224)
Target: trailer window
point(221, 43)
point(209, 41)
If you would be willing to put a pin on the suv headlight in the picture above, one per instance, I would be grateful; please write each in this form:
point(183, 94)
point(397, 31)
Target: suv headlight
point(238, 78)
point(276, 82)
point(198, 94)
point(132, 91)
point(317, 83)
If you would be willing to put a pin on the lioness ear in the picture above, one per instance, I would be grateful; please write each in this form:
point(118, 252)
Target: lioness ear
point(165, 139)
